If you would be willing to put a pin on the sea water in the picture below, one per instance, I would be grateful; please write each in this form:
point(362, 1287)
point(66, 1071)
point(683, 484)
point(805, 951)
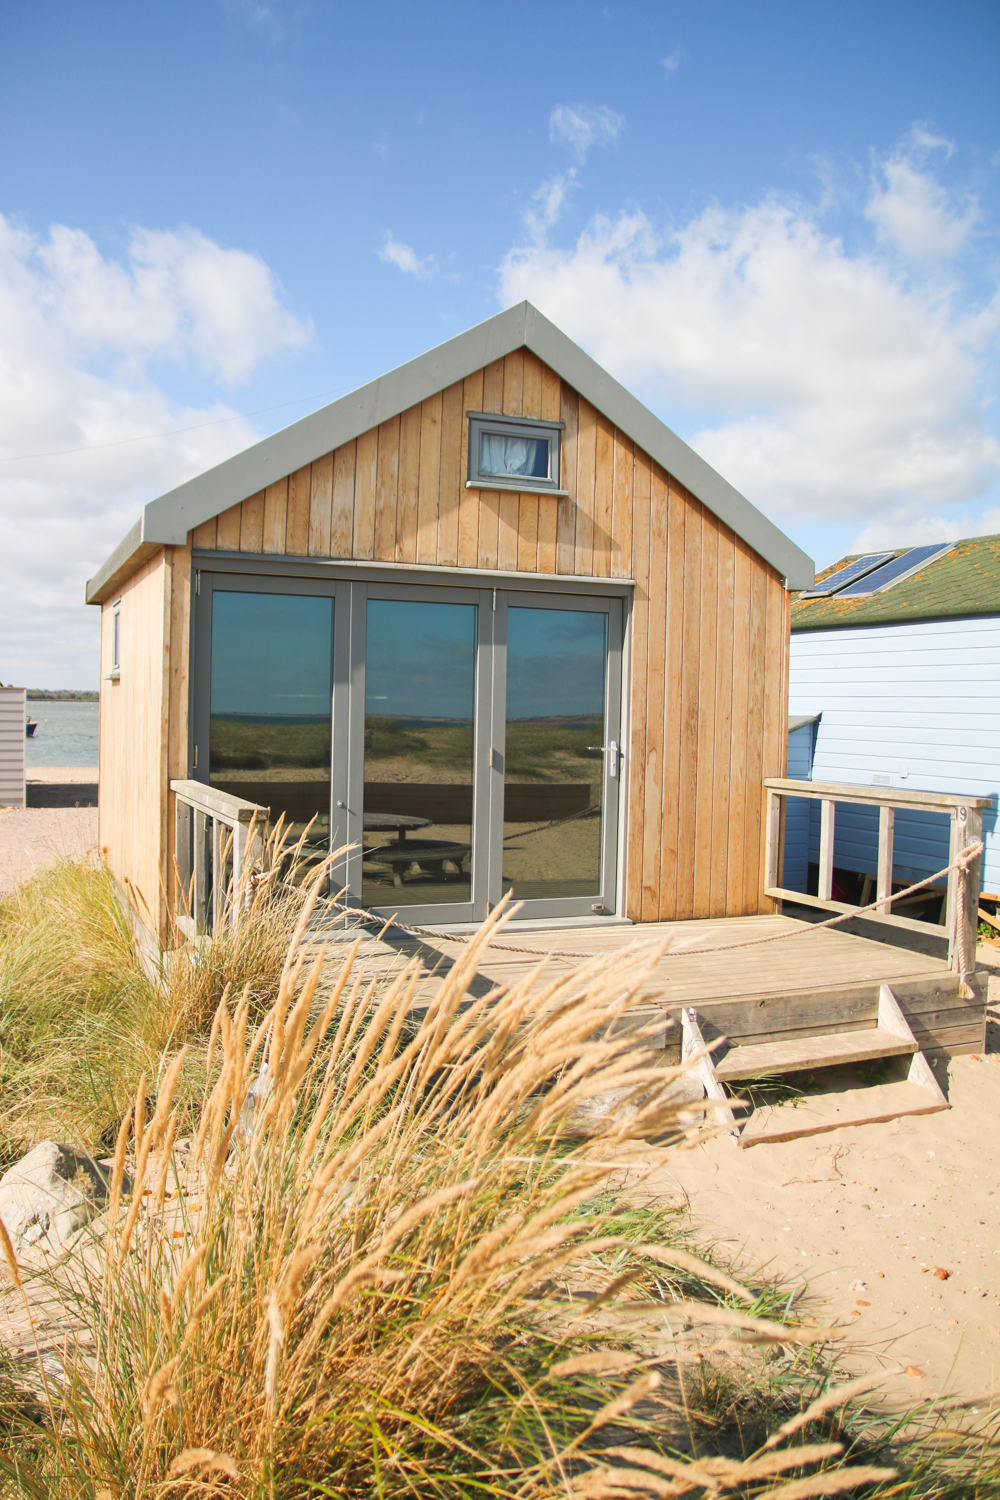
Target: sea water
point(66, 734)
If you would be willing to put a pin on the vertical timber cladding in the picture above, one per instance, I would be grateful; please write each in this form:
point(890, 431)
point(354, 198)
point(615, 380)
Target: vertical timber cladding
point(710, 622)
point(132, 813)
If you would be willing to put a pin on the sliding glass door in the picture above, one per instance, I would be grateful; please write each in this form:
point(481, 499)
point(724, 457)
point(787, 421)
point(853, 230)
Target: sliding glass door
point(463, 742)
point(557, 700)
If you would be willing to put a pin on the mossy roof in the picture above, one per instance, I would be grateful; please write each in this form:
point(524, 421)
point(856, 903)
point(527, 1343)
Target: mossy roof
point(966, 581)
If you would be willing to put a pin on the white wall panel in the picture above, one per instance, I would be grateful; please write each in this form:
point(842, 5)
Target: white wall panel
point(12, 747)
point(917, 703)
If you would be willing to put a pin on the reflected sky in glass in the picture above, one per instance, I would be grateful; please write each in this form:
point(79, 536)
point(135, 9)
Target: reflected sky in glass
point(421, 659)
point(271, 654)
point(555, 663)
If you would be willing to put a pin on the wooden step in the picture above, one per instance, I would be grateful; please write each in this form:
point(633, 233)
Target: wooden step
point(821, 1112)
point(918, 1094)
point(767, 1059)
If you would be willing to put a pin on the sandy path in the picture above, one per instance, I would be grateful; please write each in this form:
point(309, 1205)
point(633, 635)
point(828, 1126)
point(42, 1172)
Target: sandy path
point(33, 837)
point(864, 1217)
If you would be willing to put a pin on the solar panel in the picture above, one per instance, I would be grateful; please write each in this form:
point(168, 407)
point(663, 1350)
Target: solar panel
point(847, 574)
point(893, 572)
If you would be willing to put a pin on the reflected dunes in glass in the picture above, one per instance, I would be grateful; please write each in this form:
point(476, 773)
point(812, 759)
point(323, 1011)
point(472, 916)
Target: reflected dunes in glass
point(270, 706)
point(554, 768)
point(419, 735)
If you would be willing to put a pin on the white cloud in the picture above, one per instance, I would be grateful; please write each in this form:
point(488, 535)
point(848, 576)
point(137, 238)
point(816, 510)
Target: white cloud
point(406, 258)
point(581, 126)
point(672, 61)
point(910, 527)
point(547, 203)
point(837, 384)
point(78, 332)
point(911, 210)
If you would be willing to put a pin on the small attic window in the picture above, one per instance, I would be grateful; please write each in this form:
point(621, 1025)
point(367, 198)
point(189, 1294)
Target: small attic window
point(116, 638)
point(513, 453)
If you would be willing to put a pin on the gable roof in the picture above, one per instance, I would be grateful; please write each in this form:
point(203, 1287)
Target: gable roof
point(167, 520)
point(965, 581)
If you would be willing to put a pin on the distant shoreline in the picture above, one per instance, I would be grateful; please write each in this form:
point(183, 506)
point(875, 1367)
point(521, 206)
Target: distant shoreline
point(43, 695)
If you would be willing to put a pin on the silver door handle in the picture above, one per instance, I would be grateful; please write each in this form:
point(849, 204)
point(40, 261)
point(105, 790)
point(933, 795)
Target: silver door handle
point(611, 751)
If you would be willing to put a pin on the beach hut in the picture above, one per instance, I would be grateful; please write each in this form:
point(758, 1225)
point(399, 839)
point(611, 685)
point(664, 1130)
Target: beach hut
point(894, 658)
point(12, 737)
point(487, 620)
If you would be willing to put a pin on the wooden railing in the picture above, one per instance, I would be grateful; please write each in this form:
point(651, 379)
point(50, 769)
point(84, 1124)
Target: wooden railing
point(966, 814)
point(213, 831)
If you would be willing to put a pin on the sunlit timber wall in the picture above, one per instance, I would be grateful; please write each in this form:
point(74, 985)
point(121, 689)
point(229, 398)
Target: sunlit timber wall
point(709, 624)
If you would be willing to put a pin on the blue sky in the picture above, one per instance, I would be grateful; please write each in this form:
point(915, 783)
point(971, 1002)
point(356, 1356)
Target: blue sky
point(776, 223)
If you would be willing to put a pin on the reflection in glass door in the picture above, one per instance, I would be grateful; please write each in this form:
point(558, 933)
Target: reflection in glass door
point(269, 727)
point(419, 747)
point(554, 770)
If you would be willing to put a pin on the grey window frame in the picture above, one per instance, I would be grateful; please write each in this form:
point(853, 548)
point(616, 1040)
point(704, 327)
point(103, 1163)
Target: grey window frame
point(524, 427)
point(350, 585)
point(604, 901)
point(240, 582)
point(116, 640)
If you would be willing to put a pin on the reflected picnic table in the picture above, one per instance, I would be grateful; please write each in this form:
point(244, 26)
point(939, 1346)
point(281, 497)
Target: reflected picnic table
point(429, 855)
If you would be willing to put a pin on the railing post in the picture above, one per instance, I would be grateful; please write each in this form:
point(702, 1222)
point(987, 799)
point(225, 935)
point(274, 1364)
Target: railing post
point(966, 829)
point(240, 832)
point(218, 890)
point(826, 830)
point(182, 848)
point(772, 857)
point(200, 912)
point(886, 830)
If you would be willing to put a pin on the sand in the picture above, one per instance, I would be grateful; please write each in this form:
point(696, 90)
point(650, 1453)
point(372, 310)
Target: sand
point(866, 1219)
point(860, 1218)
point(33, 837)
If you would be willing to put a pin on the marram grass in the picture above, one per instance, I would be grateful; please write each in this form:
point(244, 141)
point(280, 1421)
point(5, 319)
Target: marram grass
point(82, 1019)
point(370, 1288)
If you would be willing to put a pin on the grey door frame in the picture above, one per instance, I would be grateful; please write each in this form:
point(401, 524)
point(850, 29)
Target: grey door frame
point(208, 580)
point(350, 585)
point(481, 599)
point(604, 901)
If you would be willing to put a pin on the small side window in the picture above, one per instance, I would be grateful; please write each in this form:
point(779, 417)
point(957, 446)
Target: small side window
point(513, 453)
point(116, 637)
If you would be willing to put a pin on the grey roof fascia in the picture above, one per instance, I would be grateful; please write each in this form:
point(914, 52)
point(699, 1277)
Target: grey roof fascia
point(126, 557)
point(172, 516)
point(671, 452)
point(168, 519)
point(798, 721)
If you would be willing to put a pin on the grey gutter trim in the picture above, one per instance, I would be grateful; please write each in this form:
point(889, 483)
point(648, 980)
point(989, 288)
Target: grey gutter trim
point(119, 559)
point(168, 519)
point(671, 452)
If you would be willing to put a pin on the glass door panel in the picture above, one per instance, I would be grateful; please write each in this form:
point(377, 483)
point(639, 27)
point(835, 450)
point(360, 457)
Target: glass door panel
point(419, 748)
point(269, 725)
point(554, 761)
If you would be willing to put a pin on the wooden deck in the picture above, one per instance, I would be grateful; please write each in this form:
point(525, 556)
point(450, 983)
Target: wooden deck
point(803, 982)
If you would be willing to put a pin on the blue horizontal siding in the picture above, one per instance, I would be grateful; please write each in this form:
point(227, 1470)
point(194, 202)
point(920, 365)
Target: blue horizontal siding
point(797, 810)
point(917, 703)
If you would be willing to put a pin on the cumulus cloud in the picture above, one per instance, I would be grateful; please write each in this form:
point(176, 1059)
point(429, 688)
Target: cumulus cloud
point(671, 62)
point(826, 382)
point(406, 258)
point(79, 333)
point(911, 211)
point(581, 126)
point(547, 203)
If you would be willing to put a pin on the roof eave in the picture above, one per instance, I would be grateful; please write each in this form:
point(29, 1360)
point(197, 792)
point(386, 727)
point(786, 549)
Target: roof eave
point(167, 520)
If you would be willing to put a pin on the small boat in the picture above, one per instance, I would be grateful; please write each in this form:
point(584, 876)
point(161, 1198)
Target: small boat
point(29, 728)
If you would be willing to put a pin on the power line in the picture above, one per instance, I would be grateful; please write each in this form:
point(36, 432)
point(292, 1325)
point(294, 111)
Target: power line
point(146, 437)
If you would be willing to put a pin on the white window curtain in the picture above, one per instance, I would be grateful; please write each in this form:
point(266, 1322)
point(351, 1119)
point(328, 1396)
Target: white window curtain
point(508, 455)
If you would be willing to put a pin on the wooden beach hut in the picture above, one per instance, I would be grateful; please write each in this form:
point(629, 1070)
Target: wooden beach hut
point(488, 620)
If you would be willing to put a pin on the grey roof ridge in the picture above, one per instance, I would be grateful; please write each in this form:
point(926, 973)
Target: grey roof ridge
point(168, 519)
